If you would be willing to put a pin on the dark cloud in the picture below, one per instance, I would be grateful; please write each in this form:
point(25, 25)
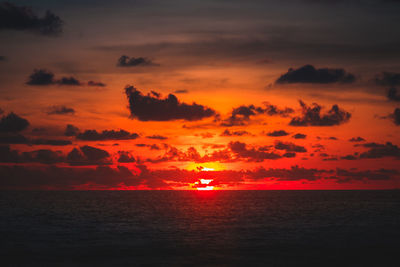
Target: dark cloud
point(150, 146)
point(22, 18)
point(88, 155)
point(125, 61)
point(380, 151)
point(241, 115)
point(13, 123)
point(2, 58)
point(183, 91)
point(101, 177)
point(45, 77)
point(41, 77)
point(388, 79)
point(125, 157)
point(344, 176)
point(309, 74)
point(60, 110)
point(93, 135)
point(278, 133)
point(299, 136)
point(13, 138)
point(396, 116)
point(71, 130)
point(393, 94)
point(157, 137)
point(312, 116)
point(349, 157)
point(153, 108)
point(295, 173)
point(260, 154)
point(234, 133)
point(44, 156)
point(356, 139)
point(289, 147)
point(71, 81)
point(98, 84)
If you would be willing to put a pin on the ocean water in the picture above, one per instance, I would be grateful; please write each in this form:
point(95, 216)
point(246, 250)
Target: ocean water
point(193, 228)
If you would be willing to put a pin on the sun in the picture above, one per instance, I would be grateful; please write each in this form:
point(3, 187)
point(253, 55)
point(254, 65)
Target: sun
point(204, 184)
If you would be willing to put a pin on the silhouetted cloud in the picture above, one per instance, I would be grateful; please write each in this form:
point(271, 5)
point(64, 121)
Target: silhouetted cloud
point(312, 116)
point(234, 133)
point(157, 137)
point(41, 77)
point(153, 108)
point(45, 77)
point(299, 136)
point(356, 139)
point(241, 115)
point(50, 142)
point(71, 130)
point(278, 133)
point(309, 74)
point(349, 157)
point(22, 18)
point(380, 150)
point(60, 110)
point(182, 91)
point(241, 151)
point(2, 58)
point(71, 81)
point(98, 84)
point(125, 157)
point(343, 175)
point(93, 135)
point(13, 123)
point(295, 173)
point(396, 116)
point(388, 79)
point(289, 147)
point(13, 138)
point(393, 94)
point(125, 61)
point(88, 155)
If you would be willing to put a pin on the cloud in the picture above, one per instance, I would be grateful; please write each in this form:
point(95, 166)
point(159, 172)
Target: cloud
point(71, 130)
point(182, 91)
point(60, 110)
point(289, 147)
point(125, 61)
point(16, 138)
point(295, 173)
point(234, 133)
point(393, 94)
point(396, 116)
point(44, 156)
point(22, 18)
point(125, 157)
point(388, 79)
point(13, 123)
point(41, 77)
point(241, 115)
point(380, 151)
point(153, 108)
point(50, 142)
point(312, 116)
point(343, 175)
point(45, 77)
point(98, 84)
point(101, 177)
point(88, 155)
point(93, 135)
point(260, 154)
point(2, 58)
point(356, 139)
point(157, 137)
point(278, 133)
point(71, 81)
point(309, 74)
point(299, 136)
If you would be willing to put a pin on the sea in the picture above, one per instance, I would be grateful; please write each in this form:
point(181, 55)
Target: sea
point(200, 228)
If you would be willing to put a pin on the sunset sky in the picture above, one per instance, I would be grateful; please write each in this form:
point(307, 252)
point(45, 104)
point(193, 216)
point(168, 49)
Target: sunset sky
point(152, 94)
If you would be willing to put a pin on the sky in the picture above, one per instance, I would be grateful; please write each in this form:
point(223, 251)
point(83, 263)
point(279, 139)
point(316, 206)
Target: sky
point(189, 95)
